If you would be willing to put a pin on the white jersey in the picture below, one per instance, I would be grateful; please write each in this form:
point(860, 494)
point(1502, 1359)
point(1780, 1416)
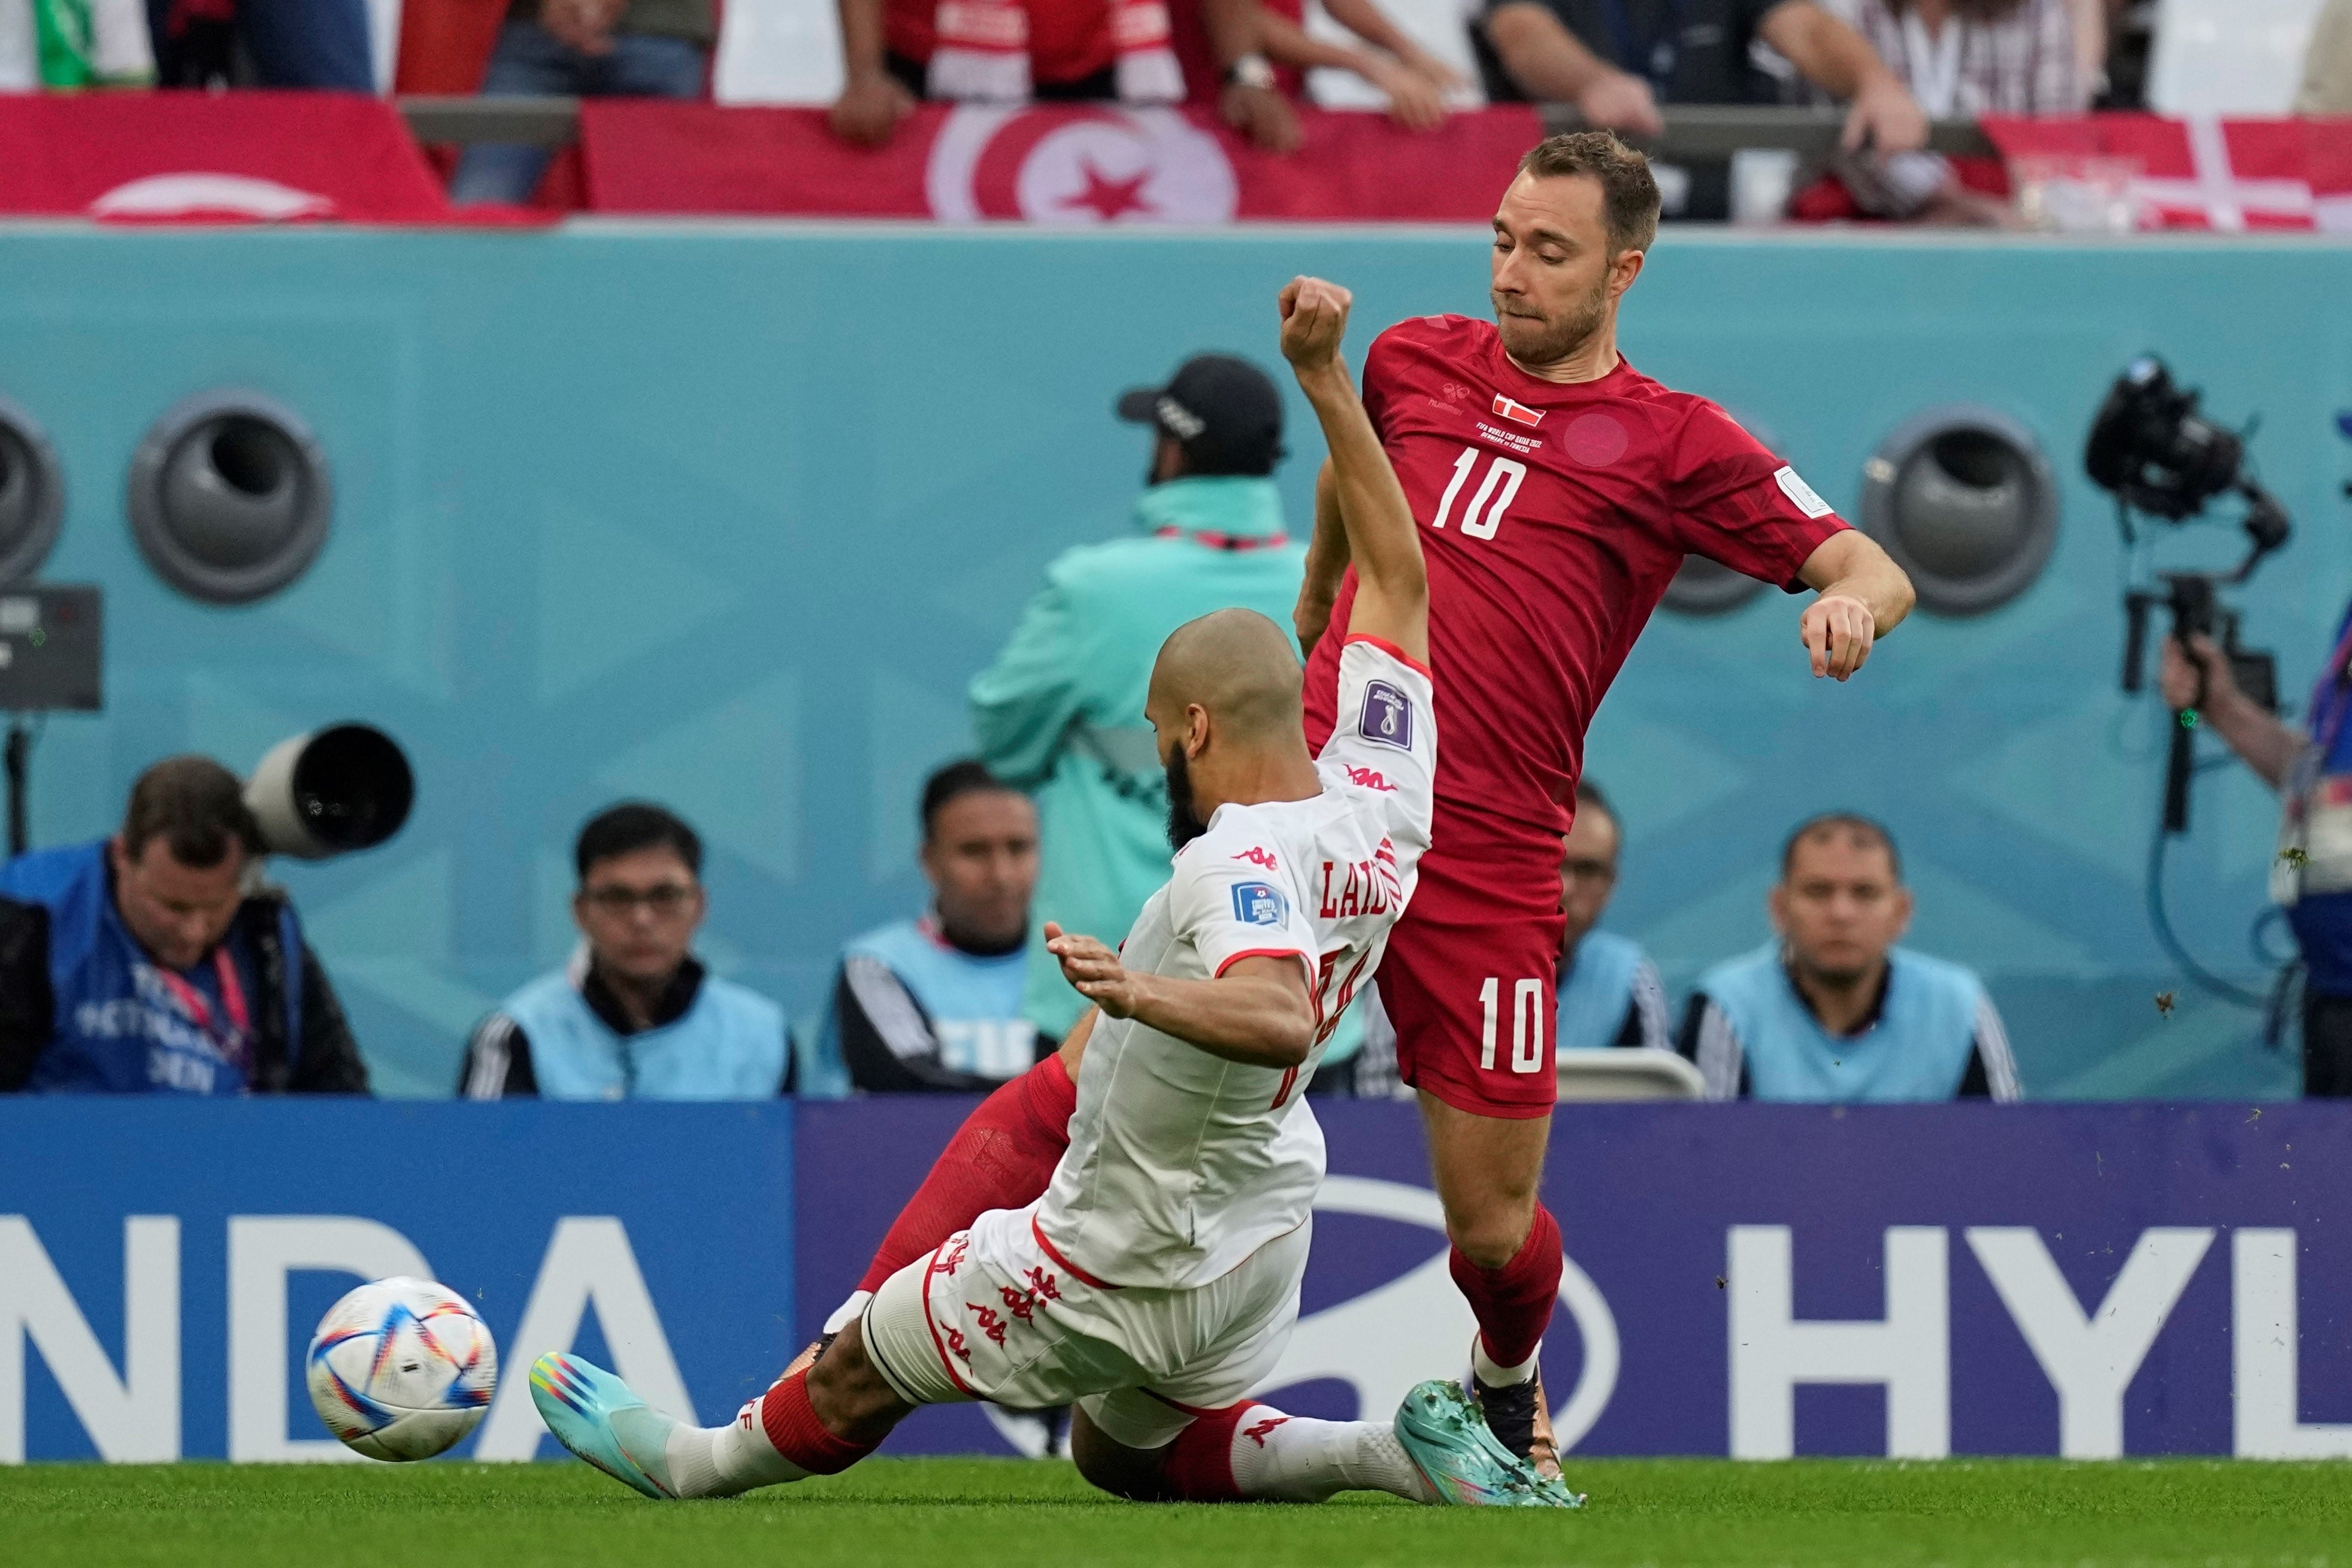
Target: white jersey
point(1181, 1164)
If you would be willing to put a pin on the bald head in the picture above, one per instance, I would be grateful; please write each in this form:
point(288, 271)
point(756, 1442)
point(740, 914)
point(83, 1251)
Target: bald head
point(1237, 667)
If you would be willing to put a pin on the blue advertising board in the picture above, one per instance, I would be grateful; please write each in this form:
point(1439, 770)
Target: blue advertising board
point(1763, 1280)
point(165, 1261)
point(1751, 1280)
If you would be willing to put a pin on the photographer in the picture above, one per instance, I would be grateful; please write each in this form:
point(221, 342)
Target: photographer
point(150, 963)
point(2311, 877)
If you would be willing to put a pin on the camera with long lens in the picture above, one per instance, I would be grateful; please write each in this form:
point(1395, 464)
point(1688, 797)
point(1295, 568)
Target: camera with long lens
point(2159, 457)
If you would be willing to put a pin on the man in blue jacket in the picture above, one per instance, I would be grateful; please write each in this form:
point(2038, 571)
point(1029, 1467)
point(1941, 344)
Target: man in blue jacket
point(633, 1015)
point(150, 963)
point(1832, 1009)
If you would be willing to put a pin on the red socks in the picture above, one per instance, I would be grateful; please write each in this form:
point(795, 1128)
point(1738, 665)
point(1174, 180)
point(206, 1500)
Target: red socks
point(1514, 1303)
point(1200, 1463)
point(793, 1430)
point(1001, 1158)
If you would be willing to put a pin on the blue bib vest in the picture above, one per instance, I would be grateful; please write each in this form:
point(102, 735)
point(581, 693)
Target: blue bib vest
point(118, 1027)
point(1919, 1049)
point(730, 1045)
point(974, 1003)
point(1596, 991)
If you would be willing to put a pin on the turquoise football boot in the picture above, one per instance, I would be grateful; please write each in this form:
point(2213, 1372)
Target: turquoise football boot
point(593, 1414)
point(1447, 1440)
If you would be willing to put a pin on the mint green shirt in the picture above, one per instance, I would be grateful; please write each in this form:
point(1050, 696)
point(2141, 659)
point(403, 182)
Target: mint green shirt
point(1060, 713)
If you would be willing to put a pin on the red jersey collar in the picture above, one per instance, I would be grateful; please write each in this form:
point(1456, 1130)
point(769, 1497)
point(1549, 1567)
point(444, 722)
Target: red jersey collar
point(1535, 392)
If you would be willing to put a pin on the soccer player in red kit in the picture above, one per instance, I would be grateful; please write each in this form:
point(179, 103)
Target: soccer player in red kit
point(1557, 489)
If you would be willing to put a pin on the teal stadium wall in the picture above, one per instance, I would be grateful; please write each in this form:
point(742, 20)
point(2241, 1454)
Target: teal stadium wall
point(726, 516)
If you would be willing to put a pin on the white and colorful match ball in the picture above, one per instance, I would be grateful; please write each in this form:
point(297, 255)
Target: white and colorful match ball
point(401, 1369)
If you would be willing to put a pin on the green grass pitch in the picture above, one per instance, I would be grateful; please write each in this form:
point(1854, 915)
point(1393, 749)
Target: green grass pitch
point(973, 1513)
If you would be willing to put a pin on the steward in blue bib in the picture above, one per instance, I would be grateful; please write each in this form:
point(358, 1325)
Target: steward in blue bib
point(85, 1007)
point(634, 1016)
point(565, 1035)
point(937, 1003)
point(909, 1010)
point(1610, 995)
point(1931, 1034)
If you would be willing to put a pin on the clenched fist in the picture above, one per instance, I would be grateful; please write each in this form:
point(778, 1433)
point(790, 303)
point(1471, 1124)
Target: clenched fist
point(1314, 320)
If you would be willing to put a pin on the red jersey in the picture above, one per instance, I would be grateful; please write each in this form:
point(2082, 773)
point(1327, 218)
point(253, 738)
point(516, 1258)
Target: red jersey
point(1188, 35)
point(1552, 518)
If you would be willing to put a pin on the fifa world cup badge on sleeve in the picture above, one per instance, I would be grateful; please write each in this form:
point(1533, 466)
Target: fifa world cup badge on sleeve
point(1258, 904)
point(1388, 716)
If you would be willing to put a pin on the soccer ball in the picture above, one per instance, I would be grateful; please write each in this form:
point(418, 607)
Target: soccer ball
point(401, 1369)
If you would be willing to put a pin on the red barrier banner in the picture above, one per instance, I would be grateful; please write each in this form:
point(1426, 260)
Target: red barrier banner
point(2139, 170)
point(240, 157)
point(1067, 164)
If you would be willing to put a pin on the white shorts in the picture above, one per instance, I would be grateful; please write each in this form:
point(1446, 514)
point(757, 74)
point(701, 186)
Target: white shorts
point(995, 1314)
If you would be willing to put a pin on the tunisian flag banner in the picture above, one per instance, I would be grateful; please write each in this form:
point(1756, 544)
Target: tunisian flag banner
point(2228, 175)
point(1058, 165)
point(237, 157)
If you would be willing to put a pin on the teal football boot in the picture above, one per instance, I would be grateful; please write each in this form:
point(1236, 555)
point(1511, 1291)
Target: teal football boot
point(593, 1414)
point(1448, 1439)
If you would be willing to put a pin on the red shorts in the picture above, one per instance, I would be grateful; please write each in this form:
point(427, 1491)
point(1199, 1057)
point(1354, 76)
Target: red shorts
point(1469, 973)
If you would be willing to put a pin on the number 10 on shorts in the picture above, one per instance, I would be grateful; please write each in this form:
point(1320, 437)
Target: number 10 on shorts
point(1526, 1023)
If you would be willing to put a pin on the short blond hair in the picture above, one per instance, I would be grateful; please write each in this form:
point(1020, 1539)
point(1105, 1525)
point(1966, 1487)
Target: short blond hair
point(1629, 197)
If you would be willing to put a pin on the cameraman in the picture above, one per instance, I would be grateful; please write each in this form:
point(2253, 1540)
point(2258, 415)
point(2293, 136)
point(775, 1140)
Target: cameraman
point(2313, 774)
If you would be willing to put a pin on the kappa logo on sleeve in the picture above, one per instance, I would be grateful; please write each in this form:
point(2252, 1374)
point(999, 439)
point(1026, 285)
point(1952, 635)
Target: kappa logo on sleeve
point(1387, 717)
point(1796, 491)
point(1260, 904)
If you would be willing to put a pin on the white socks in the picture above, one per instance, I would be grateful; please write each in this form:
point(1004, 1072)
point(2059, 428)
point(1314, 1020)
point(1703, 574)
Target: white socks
point(1296, 1458)
point(721, 1461)
point(1492, 1373)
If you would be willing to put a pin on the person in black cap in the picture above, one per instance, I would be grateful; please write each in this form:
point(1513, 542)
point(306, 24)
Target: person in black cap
point(1060, 713)
point(1218, 416)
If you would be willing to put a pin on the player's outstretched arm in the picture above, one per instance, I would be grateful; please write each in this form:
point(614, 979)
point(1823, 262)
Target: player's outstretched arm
point(1257, 1012)
point(1863, 596)
point(1392, 579)
point(1327, 564)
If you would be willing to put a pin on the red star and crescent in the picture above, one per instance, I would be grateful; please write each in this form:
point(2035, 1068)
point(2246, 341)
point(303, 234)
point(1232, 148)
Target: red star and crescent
point(1110, 199)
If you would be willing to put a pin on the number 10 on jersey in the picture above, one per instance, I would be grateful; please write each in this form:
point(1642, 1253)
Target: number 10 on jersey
point(1484, 515)
point(1526, 1023)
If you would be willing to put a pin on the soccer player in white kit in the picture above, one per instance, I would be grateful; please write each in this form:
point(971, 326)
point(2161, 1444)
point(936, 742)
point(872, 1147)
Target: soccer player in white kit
point(1154, 1284)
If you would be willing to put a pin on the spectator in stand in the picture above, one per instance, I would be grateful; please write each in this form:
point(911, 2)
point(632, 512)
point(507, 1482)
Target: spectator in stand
point(1414, 80)
point(895, 53)
point(1615, 61)
point(582, 49)
point(147, 964)
point(2327, 63)
point(317, 44)
point(1609, 991)
point(1962, 59)
point(934, 1003)
point(1060, 713)
point(634, 1016)
point(1832, 1009)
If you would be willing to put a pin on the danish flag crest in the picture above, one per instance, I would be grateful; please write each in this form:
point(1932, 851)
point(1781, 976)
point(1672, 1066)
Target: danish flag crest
point(1519, 411)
